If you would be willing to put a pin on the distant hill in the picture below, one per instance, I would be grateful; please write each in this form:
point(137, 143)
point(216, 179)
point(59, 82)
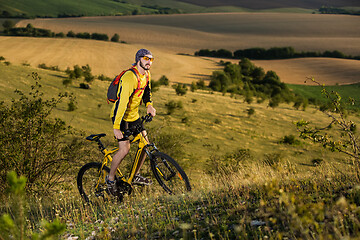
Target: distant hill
point(70, 8)
point(266, 4)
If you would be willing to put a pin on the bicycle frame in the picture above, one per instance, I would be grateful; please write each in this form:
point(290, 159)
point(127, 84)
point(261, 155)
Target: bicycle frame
point(143, 144)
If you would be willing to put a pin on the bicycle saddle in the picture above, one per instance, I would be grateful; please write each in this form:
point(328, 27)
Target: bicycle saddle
point(95, 137)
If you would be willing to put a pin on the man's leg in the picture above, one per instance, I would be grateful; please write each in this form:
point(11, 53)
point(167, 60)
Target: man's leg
point(124, 147)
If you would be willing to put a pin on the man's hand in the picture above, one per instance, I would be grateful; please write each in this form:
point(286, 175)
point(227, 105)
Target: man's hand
point(118, 134)
point(151, 110)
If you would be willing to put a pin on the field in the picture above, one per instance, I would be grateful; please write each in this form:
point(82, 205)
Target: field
point(220, 206)
point(172, 38)
point(280, 192)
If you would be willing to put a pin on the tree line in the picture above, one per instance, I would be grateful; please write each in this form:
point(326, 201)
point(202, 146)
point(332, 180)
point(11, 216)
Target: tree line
point(31, 31)
point(258, 53)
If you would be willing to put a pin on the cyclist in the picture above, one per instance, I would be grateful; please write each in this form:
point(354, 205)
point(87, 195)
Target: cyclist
point(125, 112)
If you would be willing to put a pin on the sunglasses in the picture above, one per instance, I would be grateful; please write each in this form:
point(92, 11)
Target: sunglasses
point(147, 58)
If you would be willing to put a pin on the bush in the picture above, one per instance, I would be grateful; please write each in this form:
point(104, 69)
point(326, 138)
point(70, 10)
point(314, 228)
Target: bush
point(171, 106)
point(71, 34)
point(115, 38)
point(71, 106)
point(317, 161)
point(181, 89)
point(33, 144)
point(250, 111)
point(84, 86)
point(163, 80)
point(67, 82)
point(290, 139)
point(99, 36)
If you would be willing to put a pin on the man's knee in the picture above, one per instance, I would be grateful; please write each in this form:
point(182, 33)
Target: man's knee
point(124, 148)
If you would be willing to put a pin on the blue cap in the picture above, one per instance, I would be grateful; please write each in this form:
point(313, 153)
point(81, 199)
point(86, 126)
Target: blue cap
point(141, 53)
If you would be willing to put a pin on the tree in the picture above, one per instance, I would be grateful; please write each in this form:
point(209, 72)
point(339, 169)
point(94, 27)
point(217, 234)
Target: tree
point(219, 81)
point(345, 139)
point(115, 38)
point(234, 71)
point(8, 24)
point(180, 89)
point(71, 34)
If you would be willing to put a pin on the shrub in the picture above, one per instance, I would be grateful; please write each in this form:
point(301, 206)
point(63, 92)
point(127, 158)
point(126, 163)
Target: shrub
point(250, 111)
point(317, 161)
point(102, 77)
point(290, 139)
point(181, 89)
point(71, 106)
point(163, 80)
point(99, 36)
point(71, 34)
point(171, 106)
point(33, 144)
point(67, 82)
point(115, 38)
point(193, 87)
point(84, 86)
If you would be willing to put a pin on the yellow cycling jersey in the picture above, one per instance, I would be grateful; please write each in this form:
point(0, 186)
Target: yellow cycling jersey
point(125, 108)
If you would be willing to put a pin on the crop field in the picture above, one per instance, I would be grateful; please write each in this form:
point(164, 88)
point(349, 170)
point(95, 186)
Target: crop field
point(172, 38)
point(232, 31)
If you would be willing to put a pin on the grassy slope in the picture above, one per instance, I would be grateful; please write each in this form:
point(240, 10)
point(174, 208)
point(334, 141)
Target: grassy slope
point(345, 91)
point(216, 124)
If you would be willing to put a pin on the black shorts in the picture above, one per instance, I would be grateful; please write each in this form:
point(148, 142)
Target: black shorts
point(124, 125)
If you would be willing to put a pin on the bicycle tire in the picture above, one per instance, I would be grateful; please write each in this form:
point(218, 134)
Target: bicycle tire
point(169, 174)
point(87, 180)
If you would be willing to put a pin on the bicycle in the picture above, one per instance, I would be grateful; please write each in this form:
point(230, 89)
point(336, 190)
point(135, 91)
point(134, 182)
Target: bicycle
point(168, 173)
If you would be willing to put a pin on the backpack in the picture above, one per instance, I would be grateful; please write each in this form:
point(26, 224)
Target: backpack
point(114, 86)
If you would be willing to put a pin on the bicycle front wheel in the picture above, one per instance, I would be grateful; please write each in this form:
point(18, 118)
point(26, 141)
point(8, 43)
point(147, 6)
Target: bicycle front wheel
point(169, 174)
point(91, 181)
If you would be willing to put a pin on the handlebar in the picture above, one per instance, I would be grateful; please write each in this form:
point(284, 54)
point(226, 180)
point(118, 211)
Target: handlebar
point(136, 129)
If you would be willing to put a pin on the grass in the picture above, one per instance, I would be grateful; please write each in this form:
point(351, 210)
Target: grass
point(215, 124)
point(255, 202)
point(345, 91)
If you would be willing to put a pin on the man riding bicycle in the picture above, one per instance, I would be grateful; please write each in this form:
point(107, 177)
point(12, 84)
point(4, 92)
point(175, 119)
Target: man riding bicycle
point(134, 87)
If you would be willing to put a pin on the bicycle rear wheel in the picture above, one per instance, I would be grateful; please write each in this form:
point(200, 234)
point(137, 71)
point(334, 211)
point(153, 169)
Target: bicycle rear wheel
point(169, 174)
point(91, 181)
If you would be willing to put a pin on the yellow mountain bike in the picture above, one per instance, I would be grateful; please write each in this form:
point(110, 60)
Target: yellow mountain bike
point(167, 172)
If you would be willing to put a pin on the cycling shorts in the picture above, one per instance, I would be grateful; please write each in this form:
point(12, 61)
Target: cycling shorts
point(124, 125)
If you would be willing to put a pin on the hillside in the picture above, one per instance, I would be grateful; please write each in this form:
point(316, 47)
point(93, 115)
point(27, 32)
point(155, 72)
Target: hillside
point(215, 124)
point(263, 4)
point(110, 58)
point(232, 31)
point(53, 8)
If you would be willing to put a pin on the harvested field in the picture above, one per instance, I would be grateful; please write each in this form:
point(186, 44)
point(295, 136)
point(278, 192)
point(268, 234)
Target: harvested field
point(110, 58)
point(166, 36)
point(232, 31)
